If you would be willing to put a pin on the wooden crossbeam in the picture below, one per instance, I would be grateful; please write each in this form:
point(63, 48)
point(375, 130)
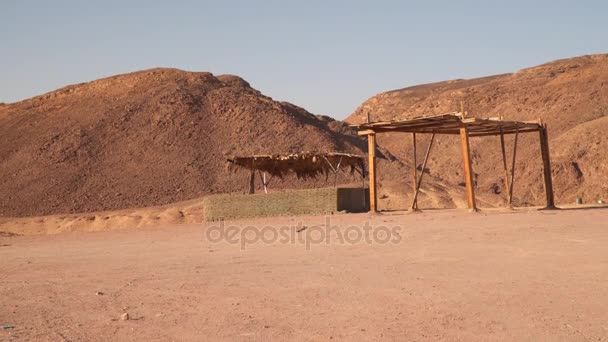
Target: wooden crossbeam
point(473, 132)
point(472, 135)
point(449, 124)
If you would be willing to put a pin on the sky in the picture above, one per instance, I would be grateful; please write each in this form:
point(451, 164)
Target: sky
point(326, 56)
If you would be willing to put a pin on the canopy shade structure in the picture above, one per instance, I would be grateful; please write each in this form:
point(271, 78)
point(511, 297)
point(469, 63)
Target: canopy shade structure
point(450, 123)
point(303, 165)
point(458, 124)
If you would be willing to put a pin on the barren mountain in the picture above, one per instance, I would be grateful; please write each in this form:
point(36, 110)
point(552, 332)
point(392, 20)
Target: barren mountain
point(148, 138)
point(570, 95)
point(159, 136)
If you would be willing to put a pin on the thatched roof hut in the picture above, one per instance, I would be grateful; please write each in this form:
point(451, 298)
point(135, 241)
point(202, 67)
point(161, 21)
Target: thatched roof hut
point(303, 165)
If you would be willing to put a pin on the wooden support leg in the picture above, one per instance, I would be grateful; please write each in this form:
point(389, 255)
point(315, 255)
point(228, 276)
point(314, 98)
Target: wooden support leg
point(415, 205)
point(252, 182)
point(426, 159)
point(544, 149)
point(264, 182)
point(336, 173)
point(371, 152)
point(468, 170)
point(504, 164)
point(513, 168)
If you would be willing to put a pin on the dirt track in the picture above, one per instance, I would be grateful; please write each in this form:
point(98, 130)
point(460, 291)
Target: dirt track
point(453, 275)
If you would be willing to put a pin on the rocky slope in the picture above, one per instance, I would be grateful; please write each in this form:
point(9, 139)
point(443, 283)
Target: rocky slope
point(147, 138)
point(160, 136)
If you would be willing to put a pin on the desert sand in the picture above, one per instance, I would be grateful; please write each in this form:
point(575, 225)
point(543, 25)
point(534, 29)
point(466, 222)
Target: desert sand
point(449, 274)
point(101, 233)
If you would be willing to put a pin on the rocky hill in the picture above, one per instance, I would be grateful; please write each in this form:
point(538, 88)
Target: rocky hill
point(148, 138)
point(570, 95)
point(160, 136)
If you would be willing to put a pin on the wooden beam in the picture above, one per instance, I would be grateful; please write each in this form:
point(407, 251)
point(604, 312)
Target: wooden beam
point(504, 164)
point(468, 170)
point(426, 159)
point(513, 170)
point(252, 182)
point(544, 149)
point(415, 204)
point(476, 135)
point(371, 152)
point(450, 125)
point(411, 126)
point(474, 132)
point(265, 181)
point(365, 132)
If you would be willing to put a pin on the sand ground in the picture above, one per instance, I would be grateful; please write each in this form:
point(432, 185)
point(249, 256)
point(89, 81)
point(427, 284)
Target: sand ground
point(445, 275)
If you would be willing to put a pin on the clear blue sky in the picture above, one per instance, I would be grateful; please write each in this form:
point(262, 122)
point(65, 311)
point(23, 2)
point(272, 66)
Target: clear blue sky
point(326, 56)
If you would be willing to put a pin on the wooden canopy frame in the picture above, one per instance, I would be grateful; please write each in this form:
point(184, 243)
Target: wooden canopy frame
point(458, 124)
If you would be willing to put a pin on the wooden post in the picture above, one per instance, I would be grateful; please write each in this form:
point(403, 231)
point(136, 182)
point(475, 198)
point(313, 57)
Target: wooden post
point(513, 168)
point(336, 173)
point(426, 159)
point(544, 149)
point(415, 205)
point(504, 164)
point(265, 184)
point(371, 152)
point(468, 170)
point(252, 182)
